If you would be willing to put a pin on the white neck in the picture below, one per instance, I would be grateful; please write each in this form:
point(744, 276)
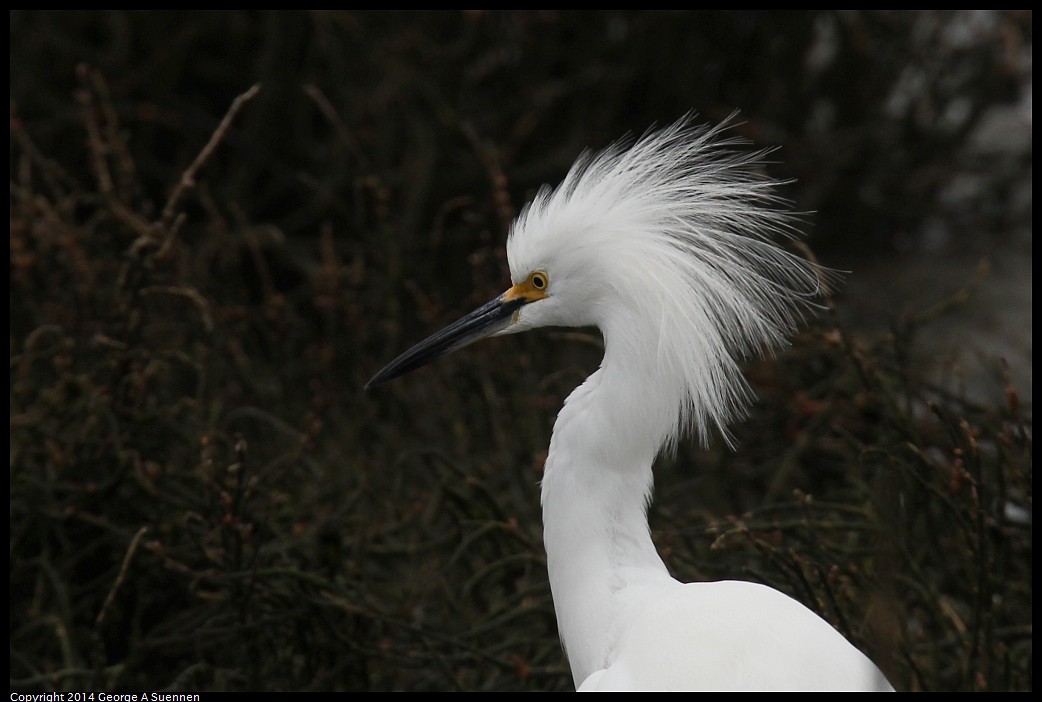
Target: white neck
point(595, 490)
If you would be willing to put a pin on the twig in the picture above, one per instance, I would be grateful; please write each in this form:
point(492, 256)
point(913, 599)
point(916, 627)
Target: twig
point(333, 117)
point(124, 178)
point(131, 550)
point(88, 98)
point(189, 293)
point(188, 177)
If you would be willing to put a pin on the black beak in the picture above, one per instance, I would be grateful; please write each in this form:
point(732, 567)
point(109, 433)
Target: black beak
point(492, 317)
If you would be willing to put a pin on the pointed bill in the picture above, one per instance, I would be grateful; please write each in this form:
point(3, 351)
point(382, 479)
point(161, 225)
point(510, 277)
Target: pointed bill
point(490, 318)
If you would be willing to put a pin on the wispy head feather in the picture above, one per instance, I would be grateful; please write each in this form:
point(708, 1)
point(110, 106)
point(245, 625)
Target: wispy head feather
point(666, 246)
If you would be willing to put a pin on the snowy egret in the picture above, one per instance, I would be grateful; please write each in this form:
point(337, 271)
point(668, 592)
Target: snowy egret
point(665, 247)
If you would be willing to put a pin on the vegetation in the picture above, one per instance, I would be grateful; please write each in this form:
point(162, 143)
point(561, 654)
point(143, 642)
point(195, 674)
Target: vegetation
point(222, 223)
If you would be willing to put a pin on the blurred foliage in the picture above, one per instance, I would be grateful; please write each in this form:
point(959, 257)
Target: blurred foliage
point(203, 498)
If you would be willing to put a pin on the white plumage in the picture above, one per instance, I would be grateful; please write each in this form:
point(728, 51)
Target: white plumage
point(665, 247)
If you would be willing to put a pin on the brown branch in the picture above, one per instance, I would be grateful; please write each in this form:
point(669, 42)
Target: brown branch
point(131, 550)
point(188, 177)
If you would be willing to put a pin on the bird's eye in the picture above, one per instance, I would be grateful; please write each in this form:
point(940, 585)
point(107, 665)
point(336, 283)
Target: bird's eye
point(539, 280)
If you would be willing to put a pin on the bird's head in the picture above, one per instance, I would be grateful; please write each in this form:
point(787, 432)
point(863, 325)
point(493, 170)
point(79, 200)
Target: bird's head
point(665, 246)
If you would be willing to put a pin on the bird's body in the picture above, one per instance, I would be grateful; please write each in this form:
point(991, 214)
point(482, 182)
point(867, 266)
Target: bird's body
point(726, 636)
point(664, 247)
point(626, 624)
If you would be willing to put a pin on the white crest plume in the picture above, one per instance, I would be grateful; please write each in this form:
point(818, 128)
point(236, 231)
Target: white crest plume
point(677, 230)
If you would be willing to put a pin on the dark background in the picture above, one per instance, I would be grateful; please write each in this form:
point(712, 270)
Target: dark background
point(203, 498)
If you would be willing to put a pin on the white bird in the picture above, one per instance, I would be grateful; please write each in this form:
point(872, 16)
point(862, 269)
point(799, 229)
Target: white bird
point(665, 247)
